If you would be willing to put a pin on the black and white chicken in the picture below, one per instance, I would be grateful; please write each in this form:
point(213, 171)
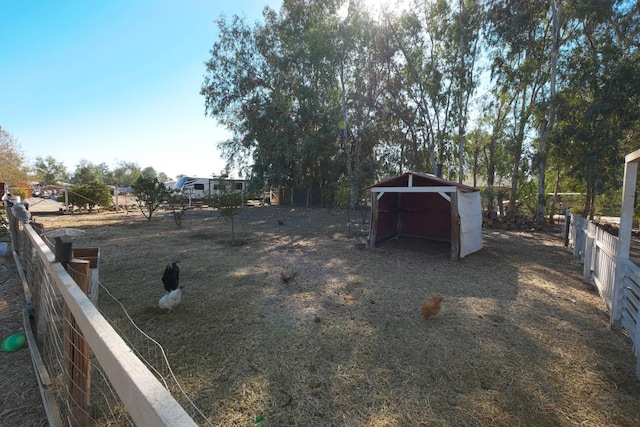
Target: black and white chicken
point(171, 281)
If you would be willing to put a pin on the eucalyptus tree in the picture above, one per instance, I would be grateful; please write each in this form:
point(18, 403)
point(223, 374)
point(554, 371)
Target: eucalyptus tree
point(548, 111)
point(365, 68)
point(438, 45)
point(600, 107)
point(423, 111)
point(518, 35)
point(469, 20)
point(310, 54)
point(494, 121)
point(125, 174)
point(273, 86)
point(87, 172)
point(50, 171)
point(150, 172)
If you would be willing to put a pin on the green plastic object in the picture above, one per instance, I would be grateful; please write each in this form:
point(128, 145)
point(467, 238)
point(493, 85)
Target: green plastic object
point(13, 342)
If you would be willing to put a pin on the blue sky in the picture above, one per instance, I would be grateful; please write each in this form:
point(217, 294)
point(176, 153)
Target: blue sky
point(113, 80)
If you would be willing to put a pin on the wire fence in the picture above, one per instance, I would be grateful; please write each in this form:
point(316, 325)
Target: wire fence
point(91, 371)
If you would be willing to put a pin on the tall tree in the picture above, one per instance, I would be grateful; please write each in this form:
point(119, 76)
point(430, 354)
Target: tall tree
point(271, 86)
point(599, 105)
point(12, 170)
point(548, 115)
point(50, 171)
point(126, 173)
point(518, 35)
point(469, 21)
point(363, 72)
point(149, 193)
point(87, 172)
point(229, 204)
point(495, 151)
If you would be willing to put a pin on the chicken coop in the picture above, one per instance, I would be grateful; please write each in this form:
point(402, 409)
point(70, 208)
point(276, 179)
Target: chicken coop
point(429, 207)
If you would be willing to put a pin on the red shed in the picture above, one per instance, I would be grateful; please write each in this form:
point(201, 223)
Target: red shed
point(426, 206)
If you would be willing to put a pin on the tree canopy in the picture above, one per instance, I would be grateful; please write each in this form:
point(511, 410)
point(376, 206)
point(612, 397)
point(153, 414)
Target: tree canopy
point(12, 169)
point(323, 94)
point(91, 194)
point(150, 193)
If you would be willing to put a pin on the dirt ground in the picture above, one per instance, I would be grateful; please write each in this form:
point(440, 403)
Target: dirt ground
point(520, 339)
point(21, 404)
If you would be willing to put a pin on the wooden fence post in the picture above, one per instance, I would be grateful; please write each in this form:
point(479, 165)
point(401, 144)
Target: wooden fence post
point(624, 236)
point(567, 226)
point(589, 241)
point(578, 237)
point(76, 351)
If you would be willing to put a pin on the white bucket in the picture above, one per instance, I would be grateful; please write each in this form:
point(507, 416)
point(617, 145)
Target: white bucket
point(16, 199)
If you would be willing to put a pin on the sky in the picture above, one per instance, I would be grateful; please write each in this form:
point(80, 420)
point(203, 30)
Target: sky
point(113, 81)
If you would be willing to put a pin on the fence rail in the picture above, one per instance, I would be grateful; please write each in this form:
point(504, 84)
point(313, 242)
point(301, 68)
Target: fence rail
point(598, 251)
point(108, 386)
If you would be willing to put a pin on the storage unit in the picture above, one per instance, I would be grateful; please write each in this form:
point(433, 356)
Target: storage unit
point(429, 207)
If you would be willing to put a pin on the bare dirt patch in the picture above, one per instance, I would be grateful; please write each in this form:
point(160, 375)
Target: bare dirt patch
point(519, 341)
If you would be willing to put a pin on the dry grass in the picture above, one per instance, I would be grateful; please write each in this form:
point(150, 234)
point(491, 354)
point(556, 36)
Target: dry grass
point(519, 340)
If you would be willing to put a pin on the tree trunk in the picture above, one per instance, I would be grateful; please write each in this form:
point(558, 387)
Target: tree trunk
point(555, 197)
point(517, 154)
point(542, 165)
point(547, 125)
point(353, 195)
point(587, 202)
point(461, 114)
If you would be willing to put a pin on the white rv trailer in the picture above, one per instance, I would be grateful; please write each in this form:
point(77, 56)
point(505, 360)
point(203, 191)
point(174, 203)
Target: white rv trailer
point(201, 188)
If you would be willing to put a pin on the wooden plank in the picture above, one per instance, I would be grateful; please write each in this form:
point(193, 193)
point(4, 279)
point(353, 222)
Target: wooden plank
point(632, 157)
point(442, 189)
point(455, 228)
point(36, 357)
point(39, 245)
point(25, 285)
point(373, 226)
point(78, 366)
point(445, 196)
point(588, 258)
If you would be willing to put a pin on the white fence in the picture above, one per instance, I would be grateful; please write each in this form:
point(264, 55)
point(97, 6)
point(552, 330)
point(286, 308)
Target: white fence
point(87, 373)
point(598, 251)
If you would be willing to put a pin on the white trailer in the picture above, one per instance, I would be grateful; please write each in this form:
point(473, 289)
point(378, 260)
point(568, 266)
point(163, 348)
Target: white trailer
point(202, 188)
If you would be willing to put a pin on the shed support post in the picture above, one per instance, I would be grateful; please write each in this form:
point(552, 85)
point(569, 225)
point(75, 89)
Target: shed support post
point(399, 220)
point(373, 225)
point(455, 228)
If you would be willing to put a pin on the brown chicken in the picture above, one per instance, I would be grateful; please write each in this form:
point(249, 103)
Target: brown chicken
point(431, 306)
point(287, 279)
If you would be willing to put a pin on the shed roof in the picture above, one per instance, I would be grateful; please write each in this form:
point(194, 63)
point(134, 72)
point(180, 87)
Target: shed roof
point(419, 179)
